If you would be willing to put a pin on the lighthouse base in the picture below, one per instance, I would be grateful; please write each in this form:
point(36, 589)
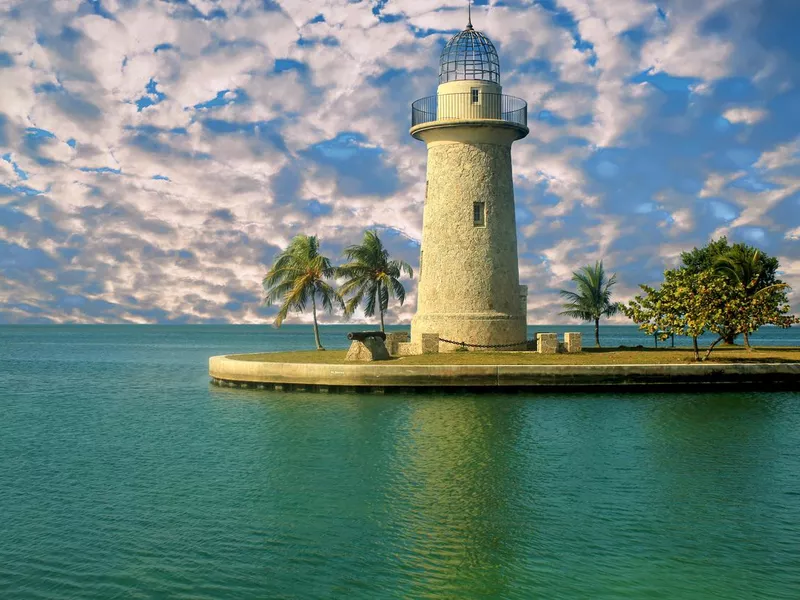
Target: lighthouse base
point(473, 331)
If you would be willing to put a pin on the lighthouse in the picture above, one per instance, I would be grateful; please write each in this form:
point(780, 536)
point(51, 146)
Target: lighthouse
point(469, 292)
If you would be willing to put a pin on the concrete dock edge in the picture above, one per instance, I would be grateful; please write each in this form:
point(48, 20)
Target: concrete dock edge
point(227, 370)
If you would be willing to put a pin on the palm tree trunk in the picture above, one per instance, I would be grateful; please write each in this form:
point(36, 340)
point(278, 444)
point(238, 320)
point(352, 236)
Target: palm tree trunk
point(597, 333)
point(380, 306)
point(316, 325)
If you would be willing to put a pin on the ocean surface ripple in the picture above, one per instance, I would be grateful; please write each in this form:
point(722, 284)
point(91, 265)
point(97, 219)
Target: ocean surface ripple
point(124, 474)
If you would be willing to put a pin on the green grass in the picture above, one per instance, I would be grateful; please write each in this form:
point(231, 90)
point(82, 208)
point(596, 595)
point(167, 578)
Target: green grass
point(590, 356)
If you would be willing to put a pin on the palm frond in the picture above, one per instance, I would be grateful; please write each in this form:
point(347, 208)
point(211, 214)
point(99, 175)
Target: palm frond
point(329, 296)
point(399, 291)
point(741, 265)
point(384, 295)
point(370, 276)
point(282, 314)
point(294, 299)
point(298, 274)
point(769, 288)
point(571, 296)
point(592, 299)
point(353, 270)
point(352, 304)
point(577, 314)
point(401, 266)
point(277, 292)
point(372, 299)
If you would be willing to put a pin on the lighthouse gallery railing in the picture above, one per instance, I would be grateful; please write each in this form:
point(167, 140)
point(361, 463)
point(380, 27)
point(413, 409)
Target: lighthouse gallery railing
point(469, 105)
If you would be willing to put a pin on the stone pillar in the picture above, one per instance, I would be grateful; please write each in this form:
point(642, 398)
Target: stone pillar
point(395, 338)
point(546, 343)
point(572, 341)
point(430, 343)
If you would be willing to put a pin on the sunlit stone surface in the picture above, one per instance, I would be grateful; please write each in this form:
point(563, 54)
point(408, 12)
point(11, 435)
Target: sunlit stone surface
point(469, 277)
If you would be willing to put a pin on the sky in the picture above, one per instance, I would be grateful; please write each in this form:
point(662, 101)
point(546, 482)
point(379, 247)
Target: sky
point(156, 155)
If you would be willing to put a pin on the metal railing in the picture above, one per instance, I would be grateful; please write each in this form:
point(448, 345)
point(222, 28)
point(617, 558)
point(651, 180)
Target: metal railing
point(470, 105)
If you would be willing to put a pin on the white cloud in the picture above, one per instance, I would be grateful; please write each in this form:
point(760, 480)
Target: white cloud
point(744, 114)
point(241, 180)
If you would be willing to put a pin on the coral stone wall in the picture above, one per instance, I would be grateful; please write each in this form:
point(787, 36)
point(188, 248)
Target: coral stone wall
point(469, 278)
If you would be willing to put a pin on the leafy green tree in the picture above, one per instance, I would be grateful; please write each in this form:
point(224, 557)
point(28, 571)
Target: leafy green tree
point(371, 277)
point(709, 257)
point(592, 301)
point(687, 303)
point(298, 276)
point(743, 267)
point(691, 304)
point(701, 259)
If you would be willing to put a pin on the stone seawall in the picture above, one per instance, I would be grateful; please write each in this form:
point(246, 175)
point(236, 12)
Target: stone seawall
point(227, 370)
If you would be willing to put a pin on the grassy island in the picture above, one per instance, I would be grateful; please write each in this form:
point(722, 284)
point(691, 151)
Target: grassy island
point(590, 356)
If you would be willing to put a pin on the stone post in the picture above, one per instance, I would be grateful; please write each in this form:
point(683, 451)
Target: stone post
point(395, 338)
point(572, 341)
point(546, 343)
point(430, 343)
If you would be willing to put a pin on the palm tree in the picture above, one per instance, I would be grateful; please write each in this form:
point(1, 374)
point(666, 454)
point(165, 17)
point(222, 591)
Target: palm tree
point(297, 276)
point(371, 277)
point(742, 266)
point(593, 298)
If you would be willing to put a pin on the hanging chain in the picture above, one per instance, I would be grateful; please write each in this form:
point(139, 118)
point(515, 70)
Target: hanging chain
point(467, 345)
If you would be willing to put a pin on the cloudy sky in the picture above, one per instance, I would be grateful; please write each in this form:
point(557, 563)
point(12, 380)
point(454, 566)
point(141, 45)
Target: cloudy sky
point(155, 155)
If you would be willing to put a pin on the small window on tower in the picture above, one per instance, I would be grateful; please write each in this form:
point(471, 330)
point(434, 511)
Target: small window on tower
point(474, 95)
point(479, 214)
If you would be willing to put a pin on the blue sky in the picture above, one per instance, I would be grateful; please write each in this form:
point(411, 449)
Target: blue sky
point(156, 154)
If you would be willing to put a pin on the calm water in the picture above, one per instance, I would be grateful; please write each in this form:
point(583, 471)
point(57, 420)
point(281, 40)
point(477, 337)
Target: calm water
point(123, 474)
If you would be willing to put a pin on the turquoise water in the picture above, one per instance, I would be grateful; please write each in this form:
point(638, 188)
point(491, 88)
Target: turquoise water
point(124, 474)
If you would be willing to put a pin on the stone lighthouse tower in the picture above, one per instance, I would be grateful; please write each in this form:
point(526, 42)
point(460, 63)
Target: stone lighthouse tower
point(469, 276)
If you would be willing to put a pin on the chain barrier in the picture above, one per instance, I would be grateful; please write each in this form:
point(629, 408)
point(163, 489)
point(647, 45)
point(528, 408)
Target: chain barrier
point(466, 345)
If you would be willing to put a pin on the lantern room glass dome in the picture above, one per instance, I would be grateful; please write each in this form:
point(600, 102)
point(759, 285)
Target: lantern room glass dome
point(469, 56)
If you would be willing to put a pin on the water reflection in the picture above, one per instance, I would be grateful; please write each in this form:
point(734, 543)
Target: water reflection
point(513, 496)
point(457, 494)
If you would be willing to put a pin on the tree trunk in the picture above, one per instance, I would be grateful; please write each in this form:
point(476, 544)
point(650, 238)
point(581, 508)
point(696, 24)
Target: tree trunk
point(729, 337)
point(747, 342)
point(695, 348)
point(711, 347)
point(380, 306)
point(597, 333)
point(316, 326)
